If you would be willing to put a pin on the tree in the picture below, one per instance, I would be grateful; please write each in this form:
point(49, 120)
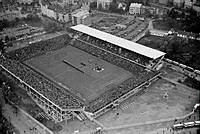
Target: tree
point(100, 7)
point(93, 5)
point(2, 46)
point(113, 7)
point(6, 38)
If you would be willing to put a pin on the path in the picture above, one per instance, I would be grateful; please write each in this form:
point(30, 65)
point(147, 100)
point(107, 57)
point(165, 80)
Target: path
point(22, 122)
point(24, 43)
point(19, 121)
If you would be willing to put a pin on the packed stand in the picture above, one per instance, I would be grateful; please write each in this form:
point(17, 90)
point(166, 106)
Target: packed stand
point(139, 76)
point(39, 48)
point(115, 49)
point(13, 62)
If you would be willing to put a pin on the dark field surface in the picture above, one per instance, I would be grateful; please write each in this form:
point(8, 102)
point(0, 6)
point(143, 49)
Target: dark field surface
point(74, 68)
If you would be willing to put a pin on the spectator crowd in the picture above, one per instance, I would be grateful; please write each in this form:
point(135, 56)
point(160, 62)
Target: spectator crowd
point(140, 75)
point(140, 59)
point(39, 48)
point(13, 61)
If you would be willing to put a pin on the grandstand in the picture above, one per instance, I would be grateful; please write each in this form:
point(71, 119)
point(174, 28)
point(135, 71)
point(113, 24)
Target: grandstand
point(120, 46)
point(80, 77)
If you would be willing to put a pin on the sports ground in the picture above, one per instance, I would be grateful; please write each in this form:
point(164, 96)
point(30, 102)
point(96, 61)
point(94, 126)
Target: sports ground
point(86, 75)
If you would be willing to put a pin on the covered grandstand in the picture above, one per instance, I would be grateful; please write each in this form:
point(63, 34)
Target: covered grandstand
point(126, 44)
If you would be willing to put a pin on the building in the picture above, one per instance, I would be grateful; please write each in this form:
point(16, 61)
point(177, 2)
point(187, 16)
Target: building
point(25, 1)
point(104, 4)
point(57, 12)
point(164, 2)
point(10, 14)
point(196, 7)
point(9, 10)
point(79, 16)
point(179, 3)
point(69, 1)
point(48, 12)
point(135, 8)
point(189, 3)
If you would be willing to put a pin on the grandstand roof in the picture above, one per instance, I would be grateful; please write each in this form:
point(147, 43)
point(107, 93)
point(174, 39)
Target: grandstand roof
point(132, 46)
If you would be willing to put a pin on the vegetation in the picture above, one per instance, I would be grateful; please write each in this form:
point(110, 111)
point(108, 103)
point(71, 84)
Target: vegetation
point(5, 125)
point(185, 51)
point(184, 20)
point(2, 46)
point(5, 23)
point(191, 82)
point(52, 27)
point(93, 5)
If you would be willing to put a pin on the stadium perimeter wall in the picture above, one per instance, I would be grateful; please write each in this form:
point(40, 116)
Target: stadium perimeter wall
point(194, 72)
point(41, 127)
point(125, 96)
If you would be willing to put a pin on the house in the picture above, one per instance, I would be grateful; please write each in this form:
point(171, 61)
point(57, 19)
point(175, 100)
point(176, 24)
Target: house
point(104, 4)
point(10, 14)
point(79, 16)
point(179, 3)
point(135, 8)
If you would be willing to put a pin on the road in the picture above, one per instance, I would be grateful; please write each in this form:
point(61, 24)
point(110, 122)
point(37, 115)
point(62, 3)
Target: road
point(21, 122)
point(24, 43)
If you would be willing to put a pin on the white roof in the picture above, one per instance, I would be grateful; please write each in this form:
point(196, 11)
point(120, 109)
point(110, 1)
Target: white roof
point(135, 5)
point(80, 13)
point(132, 46)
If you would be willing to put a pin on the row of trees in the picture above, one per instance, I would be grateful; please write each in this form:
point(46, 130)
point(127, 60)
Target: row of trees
point(6, 23)
point(188, 18)
point(5, 125)
point(2, 46)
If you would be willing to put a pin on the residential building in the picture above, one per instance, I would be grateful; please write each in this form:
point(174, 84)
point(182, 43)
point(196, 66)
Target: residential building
point(196, 7)
point(164, 2)
point(179, 3)
point(135, 8)
point(68, 1)
point(48, 12)
point(189, 3)
point(10, 14)
point(25, 1)
point(61, 13)
point(79, 16)
point(104, 4)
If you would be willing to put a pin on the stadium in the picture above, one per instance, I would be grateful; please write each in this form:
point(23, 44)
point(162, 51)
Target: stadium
point(83, 75)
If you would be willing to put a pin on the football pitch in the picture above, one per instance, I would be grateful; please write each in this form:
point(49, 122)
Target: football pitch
point(86, 75)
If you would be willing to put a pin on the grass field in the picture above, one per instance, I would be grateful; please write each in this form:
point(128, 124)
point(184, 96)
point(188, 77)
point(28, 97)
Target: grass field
point(74, 68)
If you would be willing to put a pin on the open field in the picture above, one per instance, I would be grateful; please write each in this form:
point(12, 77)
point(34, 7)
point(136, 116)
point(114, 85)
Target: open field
point(74, 68)
point(105, 20)
point(108, 23)
point(162, 100)
point(152, 41)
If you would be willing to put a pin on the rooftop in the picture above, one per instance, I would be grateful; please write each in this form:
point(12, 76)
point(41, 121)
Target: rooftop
point(58, 8)
point(132, 46)
point(80, 13)
point(135, 5)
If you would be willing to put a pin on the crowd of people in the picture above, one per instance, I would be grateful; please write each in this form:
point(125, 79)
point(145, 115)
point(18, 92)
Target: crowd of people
point(60, 96)
point(56, 94)
point(13, 62)
point(140, 75)
point(39, 48)
point(115, 49)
